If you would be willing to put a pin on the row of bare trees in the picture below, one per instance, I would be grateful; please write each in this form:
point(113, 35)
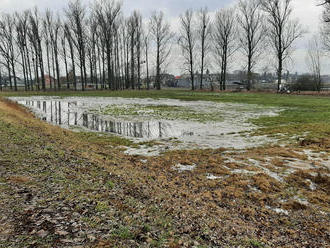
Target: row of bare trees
point(97, 45)
point(92, 44)
point(249, 28)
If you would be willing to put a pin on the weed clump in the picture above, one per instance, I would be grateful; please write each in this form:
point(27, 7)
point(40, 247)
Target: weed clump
point(266, 183)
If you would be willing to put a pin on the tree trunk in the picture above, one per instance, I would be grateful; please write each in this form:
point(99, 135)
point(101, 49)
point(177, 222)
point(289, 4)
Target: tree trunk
point(147, 65)
point(103, 69)
point(53, 70)
point(192, 70)
point(249, 72)
point(9, 75)
point(73, 65)
point(57, 67)
point(108, 51)
point(14, 75)
point(48, 64)
point(158, 69)
point(132, 63)
point(66, 65)
point(24, 69)
point(202, 64)
point(279, 72)
point(29, 68)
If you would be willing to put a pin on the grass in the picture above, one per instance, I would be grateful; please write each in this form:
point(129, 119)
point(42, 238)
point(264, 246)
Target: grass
point(123, 200)
point(164, 112)
point(113, 140)
point(110, 184)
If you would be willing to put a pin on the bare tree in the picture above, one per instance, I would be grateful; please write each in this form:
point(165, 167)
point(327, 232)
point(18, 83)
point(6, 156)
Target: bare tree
point(65, 57)
point(251, 32)
point(53, 28)
point(76, 14)
point(135, 37)
point(21, 33)
point(146, 41)
point(224, 37)
point(126, 45)
point(325, 33)
point(326, 12)
point(122, 51)
point(139, 46)
point(7, 46)
point(92, 26)
point(35, 36)
point(187, 42)
point(107, 11)
point(48, 46)
point(282, 31)
point(204, 33)
point(314, 57)
point(68, 35)
point(162, 36)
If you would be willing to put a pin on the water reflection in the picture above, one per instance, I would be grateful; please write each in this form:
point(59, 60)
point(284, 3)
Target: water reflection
point(74, 114)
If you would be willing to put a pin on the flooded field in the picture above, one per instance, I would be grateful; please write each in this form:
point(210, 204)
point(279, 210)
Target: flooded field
point(182, 124)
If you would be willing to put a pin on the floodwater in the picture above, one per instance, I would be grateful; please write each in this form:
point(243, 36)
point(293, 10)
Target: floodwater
point(230, 131)
point(73, 114)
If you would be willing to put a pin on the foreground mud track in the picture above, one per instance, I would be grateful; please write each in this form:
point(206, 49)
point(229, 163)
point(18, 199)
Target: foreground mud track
point(64, 189)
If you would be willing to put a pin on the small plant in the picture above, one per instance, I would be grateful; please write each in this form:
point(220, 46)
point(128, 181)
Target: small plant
point(102, 207)
point(123, 233)
point(256, 243)
point(146, 228)
point(110, 184)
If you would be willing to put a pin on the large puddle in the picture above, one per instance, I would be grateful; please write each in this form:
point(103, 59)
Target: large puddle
point(180, 124)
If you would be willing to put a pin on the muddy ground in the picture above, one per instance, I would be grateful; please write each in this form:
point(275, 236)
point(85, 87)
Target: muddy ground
point(64, 189)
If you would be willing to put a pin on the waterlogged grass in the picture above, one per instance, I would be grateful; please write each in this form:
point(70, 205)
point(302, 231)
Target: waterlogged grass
point(164, 112)
point(302, 115)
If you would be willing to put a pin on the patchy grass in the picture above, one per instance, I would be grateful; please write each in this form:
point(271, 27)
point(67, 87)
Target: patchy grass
point(106, 139)
point(122, 233)
point(165, 112)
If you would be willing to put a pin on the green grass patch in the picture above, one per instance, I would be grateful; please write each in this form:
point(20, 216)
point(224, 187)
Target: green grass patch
point(123, 233)
point(110, 184)
point(164, 112)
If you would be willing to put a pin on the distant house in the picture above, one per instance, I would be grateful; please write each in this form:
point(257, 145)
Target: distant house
point(49, 80)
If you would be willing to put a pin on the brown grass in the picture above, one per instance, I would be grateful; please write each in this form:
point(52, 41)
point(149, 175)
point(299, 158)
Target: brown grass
point(19, 179)
point(316, 143)
point(294, 205)
point(266, 183)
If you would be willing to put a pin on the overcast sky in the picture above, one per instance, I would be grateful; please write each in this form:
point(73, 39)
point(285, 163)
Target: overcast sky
point(305, 10)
